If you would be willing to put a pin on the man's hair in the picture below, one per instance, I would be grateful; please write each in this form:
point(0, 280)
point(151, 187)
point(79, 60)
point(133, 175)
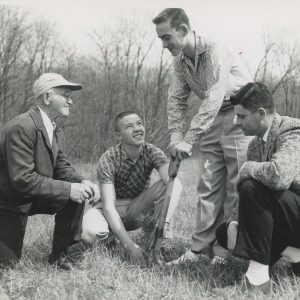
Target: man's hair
point(120, 116)
point(252, 96)
point(176, 16)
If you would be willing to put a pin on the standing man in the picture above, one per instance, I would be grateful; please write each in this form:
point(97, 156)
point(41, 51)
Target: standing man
point(36, 177)
point(127, 200)
point(269, 186)
point(213, 73)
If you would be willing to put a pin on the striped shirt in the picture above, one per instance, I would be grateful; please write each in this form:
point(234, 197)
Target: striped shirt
point(130, 177)
point(214, 76)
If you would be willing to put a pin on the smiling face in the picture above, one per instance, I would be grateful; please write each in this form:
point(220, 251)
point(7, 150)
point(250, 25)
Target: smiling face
point(60, 101)
point(131, 130)
point(173, 39)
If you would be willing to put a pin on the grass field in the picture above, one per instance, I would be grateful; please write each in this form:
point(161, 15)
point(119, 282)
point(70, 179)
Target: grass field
point(101, 273)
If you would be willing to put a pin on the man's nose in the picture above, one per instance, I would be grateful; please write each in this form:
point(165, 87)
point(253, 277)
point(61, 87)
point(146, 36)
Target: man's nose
point(69, 101)
point(165, 44)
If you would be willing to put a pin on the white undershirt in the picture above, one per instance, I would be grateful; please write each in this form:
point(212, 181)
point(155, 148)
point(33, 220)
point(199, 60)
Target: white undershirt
point(48, 124)
point(265, 137)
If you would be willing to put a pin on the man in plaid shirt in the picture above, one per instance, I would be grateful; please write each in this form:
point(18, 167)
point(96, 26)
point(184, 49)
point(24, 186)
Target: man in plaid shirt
point(127, 198)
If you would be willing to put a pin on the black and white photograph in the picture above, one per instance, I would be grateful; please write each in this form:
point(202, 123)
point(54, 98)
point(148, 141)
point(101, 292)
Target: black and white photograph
point(149, 149)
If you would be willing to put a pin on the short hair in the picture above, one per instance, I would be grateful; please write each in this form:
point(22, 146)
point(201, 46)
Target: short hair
point(120, 116)
point(252, 96)
point(176, 16)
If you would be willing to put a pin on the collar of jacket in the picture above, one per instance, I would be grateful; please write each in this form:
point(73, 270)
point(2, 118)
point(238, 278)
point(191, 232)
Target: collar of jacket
point(36, 116)
point(272, 135)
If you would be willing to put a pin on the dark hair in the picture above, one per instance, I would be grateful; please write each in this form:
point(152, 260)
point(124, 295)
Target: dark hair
point(120, 116)
point(177, 16)
point(252, 96)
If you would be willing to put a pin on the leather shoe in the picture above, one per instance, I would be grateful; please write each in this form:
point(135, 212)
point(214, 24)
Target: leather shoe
point(61, 261)
point(296, 269)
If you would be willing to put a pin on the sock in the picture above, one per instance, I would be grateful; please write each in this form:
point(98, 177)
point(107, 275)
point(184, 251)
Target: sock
point(257, 273)
point(232, 234)
point(292, 253)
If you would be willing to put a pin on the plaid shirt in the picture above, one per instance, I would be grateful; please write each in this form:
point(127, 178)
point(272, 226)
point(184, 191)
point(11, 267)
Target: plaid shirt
point(216, 74)
point(129, 177)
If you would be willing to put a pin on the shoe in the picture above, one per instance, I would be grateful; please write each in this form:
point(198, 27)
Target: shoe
point(218, 260)
point(296, 269)
point(188, 257)
point(168, 231)
point(265, 288)
point(61, 261)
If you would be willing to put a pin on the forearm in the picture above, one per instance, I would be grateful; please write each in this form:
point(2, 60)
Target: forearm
point(35, 185)
point(269, 174)
point(63, 170)
point(117, 226)
point(177, 106)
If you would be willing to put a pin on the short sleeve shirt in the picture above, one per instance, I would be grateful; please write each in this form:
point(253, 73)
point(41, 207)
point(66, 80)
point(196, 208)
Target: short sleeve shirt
point(130, 177)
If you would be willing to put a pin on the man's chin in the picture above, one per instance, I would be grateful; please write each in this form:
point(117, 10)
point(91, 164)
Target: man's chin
point(140, 142)
point(174, 52)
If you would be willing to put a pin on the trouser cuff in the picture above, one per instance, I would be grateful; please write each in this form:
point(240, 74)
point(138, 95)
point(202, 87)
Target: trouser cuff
point(251, 254)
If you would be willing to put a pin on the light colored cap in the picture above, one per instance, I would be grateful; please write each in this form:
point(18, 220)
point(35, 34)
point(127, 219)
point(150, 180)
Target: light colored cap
point(50, 80)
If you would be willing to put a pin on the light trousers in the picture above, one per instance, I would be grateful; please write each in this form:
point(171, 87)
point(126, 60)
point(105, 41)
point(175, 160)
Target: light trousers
point(223, 151)
point(132, 211)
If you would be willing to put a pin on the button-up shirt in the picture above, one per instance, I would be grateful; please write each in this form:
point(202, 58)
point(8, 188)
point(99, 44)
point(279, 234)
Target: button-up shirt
point(130, 177)
point(50, 126)
point(215, 74)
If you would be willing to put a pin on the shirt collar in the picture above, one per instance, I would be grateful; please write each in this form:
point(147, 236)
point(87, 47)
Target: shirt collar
point(46, 120)
point(265, 137)
point(200, 47)
point(124, 154)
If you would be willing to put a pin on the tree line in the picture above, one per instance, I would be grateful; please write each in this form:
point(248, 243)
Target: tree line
point(125, 71)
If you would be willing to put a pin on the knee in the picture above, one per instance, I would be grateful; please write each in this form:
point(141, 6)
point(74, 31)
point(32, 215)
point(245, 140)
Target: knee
point(94, 227)
point(248, 187)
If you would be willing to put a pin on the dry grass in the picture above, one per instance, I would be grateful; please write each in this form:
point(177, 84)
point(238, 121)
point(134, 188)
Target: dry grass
point(103, 273)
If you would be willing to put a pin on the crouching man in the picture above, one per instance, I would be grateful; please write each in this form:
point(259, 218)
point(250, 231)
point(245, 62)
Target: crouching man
point(127, 201)
point(36, 177)
point(269, 187)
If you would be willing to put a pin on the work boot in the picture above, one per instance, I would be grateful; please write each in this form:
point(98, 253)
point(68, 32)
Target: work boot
point(60, 260)
point(187, 257)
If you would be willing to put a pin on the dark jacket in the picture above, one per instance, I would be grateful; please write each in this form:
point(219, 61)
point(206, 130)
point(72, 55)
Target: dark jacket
point(29, 167)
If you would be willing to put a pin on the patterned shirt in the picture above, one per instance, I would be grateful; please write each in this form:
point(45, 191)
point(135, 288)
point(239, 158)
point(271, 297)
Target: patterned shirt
point(216, 74)
point(130, 177)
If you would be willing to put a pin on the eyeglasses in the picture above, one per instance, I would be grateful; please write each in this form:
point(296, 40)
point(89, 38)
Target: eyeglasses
point(66, 96)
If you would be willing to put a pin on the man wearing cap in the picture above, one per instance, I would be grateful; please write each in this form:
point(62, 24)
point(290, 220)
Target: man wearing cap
point(37, 178)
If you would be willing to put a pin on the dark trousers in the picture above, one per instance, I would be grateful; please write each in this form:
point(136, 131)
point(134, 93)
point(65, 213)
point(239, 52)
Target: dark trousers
point(269, 221)
point(67, 230)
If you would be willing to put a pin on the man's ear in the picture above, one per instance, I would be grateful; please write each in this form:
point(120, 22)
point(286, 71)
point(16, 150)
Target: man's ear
point(46, 98)
point(118, 136)
point(262, 113)
point(184, 29)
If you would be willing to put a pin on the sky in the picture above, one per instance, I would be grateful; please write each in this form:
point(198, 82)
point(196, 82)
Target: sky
point(239, 22)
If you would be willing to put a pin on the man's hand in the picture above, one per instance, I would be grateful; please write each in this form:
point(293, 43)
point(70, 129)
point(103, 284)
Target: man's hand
point(79, 192)
point(182, 149)
point(136, 254)
point(94, 188)
point(244, 173)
